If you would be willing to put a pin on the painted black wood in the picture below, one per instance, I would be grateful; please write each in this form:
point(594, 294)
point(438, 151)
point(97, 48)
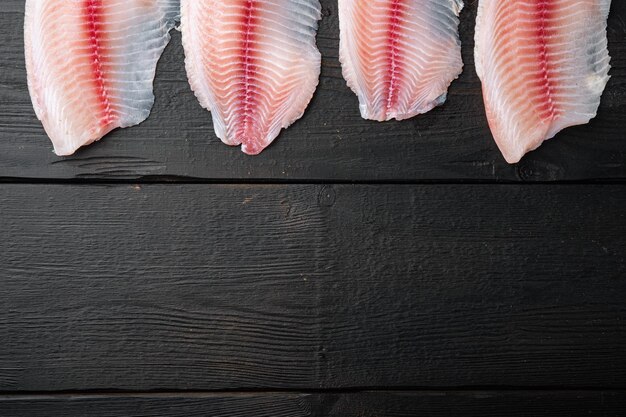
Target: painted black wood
point(362, 404)
point(479, 404)
point(331, 142)
point(311, 287)
point(170, 405)
point(205, 287)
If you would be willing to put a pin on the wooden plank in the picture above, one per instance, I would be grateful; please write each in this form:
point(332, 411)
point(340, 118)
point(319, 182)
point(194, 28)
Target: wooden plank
point(206, 287)
point(331, 142)
point(170, 405)
point(478, 404)
point(361, 404)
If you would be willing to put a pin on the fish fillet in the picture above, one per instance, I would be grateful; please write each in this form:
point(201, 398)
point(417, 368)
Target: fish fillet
point(252, 63)
point(543, 65)
point(399, 56)
point(91, 64)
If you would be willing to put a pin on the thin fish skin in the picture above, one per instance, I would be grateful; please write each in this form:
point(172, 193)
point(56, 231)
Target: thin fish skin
point(543, 65)
point(91, 64)
point(399, 56)
point(253, 64)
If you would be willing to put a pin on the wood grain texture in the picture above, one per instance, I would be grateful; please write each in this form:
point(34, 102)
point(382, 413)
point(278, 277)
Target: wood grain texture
point(204, 287)
point(331, 142)
point(476, 404)
point(361, 404)
point(170, 405)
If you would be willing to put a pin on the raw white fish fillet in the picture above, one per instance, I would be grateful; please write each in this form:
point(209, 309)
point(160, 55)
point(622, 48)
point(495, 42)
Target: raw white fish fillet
point(91, 64)
point(252, 63)
point(399, 56)
point(543, 64)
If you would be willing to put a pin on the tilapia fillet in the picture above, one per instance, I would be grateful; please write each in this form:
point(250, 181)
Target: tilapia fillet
point(543, 65)
point(252, 63)
point(91, 64)
point(399, 56)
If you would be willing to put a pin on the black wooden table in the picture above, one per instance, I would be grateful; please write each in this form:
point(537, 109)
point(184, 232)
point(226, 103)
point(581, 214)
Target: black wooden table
point(352, 269)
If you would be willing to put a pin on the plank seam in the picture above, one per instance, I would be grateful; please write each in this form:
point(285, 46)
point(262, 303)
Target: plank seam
point(303, 391)
point(263, 181)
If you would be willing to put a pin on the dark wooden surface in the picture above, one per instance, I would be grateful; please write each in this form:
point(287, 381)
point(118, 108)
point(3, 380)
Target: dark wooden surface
point(173, 287)
point(352, 269)
point(363, 404)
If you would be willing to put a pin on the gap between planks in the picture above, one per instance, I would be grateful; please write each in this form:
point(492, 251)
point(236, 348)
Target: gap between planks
point(273, 181)
point(31, 395)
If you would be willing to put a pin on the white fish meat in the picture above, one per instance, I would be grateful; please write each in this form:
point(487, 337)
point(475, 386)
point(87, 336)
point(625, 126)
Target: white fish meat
point(399, 56)
point(543, 65)
point(91, 64)
point(253, 64)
